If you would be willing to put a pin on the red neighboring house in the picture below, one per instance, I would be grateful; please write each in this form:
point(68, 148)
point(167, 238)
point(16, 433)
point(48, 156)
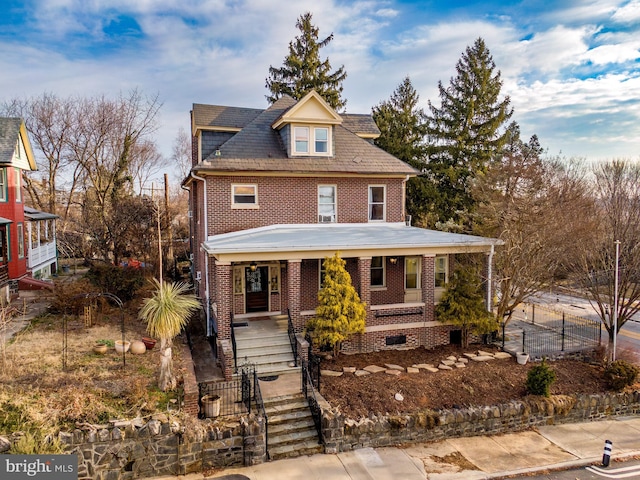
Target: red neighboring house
point(272, 193)
point(16, 156)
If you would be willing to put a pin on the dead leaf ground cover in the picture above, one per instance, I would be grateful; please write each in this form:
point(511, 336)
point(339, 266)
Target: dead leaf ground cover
point(35, 390)
point(478, 384)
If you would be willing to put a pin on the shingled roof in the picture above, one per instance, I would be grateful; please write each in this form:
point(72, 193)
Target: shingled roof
point(258, 147)
point(9, 132)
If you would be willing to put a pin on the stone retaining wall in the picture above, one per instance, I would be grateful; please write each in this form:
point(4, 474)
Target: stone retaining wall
point(159, 447)
point(342, 434)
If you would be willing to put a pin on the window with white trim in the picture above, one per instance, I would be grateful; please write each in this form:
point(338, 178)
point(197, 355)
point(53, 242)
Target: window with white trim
point(244, 196)
point(301, 139)
point(377, 272)
point(20, 240)
point(321, 136)
point(441, 271)
point(377, 199)
point(18, 173)
point(3, 185)
point(308, 140)
point(326, 203)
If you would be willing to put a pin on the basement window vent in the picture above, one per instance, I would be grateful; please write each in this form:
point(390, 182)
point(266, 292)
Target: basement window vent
point(396, 340)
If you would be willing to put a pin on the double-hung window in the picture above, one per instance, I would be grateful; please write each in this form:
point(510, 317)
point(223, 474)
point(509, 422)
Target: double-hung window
point(301, 139)
point(441, 270)
point(310, 140)
point(20, 230)
point(326, 203)
point(3, 185)
point(377, 271)
point(244, 196)
point(18, 174)
point(377, 196)
point(322, 140)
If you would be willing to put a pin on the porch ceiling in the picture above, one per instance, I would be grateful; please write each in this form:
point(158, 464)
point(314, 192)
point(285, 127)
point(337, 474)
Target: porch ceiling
point(301, 241)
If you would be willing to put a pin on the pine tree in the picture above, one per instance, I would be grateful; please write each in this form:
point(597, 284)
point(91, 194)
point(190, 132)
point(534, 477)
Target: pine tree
point(462, 305)
point(402, 124)
point(303, 70)
point(465, 134)
point(340, 313)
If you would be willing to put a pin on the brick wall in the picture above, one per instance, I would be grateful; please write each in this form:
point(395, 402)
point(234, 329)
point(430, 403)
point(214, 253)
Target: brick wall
point(300, 206)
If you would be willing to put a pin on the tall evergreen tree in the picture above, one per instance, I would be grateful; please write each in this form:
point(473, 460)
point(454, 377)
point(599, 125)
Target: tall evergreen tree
point(465, 134)
point(402, 124)
point(303, 70)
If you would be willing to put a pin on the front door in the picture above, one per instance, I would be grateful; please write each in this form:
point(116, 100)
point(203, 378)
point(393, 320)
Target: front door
point(257, 289)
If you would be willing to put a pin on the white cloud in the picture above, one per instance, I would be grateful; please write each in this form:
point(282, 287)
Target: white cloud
point(629, 13)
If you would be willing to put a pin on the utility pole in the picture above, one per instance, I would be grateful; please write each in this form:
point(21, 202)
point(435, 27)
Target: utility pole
point(615, 301)
point(170, 255)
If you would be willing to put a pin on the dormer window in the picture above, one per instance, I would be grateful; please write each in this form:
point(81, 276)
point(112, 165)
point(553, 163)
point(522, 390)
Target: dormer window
point(310, 140)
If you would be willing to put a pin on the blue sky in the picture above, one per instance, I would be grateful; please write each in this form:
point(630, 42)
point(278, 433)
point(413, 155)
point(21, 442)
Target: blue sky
point(571, 68)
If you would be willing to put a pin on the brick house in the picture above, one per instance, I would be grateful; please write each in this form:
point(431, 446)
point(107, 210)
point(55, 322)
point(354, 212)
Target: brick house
point(27, 236)
point(275, 191)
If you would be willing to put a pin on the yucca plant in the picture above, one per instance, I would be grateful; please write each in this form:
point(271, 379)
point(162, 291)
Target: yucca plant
point(166, 313)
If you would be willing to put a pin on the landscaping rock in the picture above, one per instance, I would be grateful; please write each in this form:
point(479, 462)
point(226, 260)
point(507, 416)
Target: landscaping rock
point(502, 355)
point(391, 366)
point(432, 369)
point(463, 360)
point(330, 373)
point(448, 362)
point(398, 396)
point(349, 369)
point(451, 357)
point(374, 369)
point(361, 373)
point(469, 355)
point(424, 366)
point(5, 444)
point(459, 365)
point(483, 358)
point(442, 366)
point(413, 370)
point(393, 372)
point(482, 353)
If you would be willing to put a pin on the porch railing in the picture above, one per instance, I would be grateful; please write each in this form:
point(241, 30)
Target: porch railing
point(292, 338)
point(310, 394)
point(261, 411)
point(313, 365)
point(233, 345)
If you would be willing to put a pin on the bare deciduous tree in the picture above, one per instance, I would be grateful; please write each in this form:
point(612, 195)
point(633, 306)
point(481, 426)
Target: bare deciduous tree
point(616, 188)
point(531, 205)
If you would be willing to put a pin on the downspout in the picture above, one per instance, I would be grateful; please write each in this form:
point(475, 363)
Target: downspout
point(206, 257)
point(404, 198)
point(490, 279)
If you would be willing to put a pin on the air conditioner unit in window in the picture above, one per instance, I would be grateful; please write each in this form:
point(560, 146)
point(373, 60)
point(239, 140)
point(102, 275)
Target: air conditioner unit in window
point(198, 276)
point(325, 218)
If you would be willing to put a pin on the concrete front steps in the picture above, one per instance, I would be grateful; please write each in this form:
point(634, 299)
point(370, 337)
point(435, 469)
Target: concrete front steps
point(269, 351)
point(292, 432)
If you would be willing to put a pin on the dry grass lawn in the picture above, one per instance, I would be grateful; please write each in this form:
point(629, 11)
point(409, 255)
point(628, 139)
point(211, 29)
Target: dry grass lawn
point(36, 392)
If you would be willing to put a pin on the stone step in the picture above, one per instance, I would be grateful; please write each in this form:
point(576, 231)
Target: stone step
point(298, 426)
point(255, 356)
point(283, 399)
point(263, 349)
point(281, 405)
point(309, 447)
point(263, 337)
point(282, 409)
point(289, 417)
point(293, 438)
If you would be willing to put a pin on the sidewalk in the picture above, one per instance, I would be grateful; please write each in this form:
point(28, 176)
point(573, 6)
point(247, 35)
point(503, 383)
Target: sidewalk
point(469, 458)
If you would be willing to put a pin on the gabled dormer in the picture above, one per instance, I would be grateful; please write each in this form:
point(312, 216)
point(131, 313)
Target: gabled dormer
point(15, 148)
point(307, 128)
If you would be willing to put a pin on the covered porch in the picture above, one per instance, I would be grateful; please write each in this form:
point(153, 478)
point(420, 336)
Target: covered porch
point(399, 272)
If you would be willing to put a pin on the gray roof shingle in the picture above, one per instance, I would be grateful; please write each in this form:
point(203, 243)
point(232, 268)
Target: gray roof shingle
point(258, 147)
point(9, 133)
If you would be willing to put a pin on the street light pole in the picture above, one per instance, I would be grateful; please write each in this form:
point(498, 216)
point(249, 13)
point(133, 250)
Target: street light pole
point(615, 302)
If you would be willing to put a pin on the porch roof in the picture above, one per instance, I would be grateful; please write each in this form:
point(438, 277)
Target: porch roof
point(301, 241)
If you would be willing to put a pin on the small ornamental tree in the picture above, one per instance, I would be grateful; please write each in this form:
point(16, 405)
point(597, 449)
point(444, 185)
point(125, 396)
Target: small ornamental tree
point(462, 305)
point(340, 313)
point(166, 313)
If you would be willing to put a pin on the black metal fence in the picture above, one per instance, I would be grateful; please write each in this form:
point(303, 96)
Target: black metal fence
point(546, 332)
point(292, 338)
point(233, 398)
point(309, 393)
